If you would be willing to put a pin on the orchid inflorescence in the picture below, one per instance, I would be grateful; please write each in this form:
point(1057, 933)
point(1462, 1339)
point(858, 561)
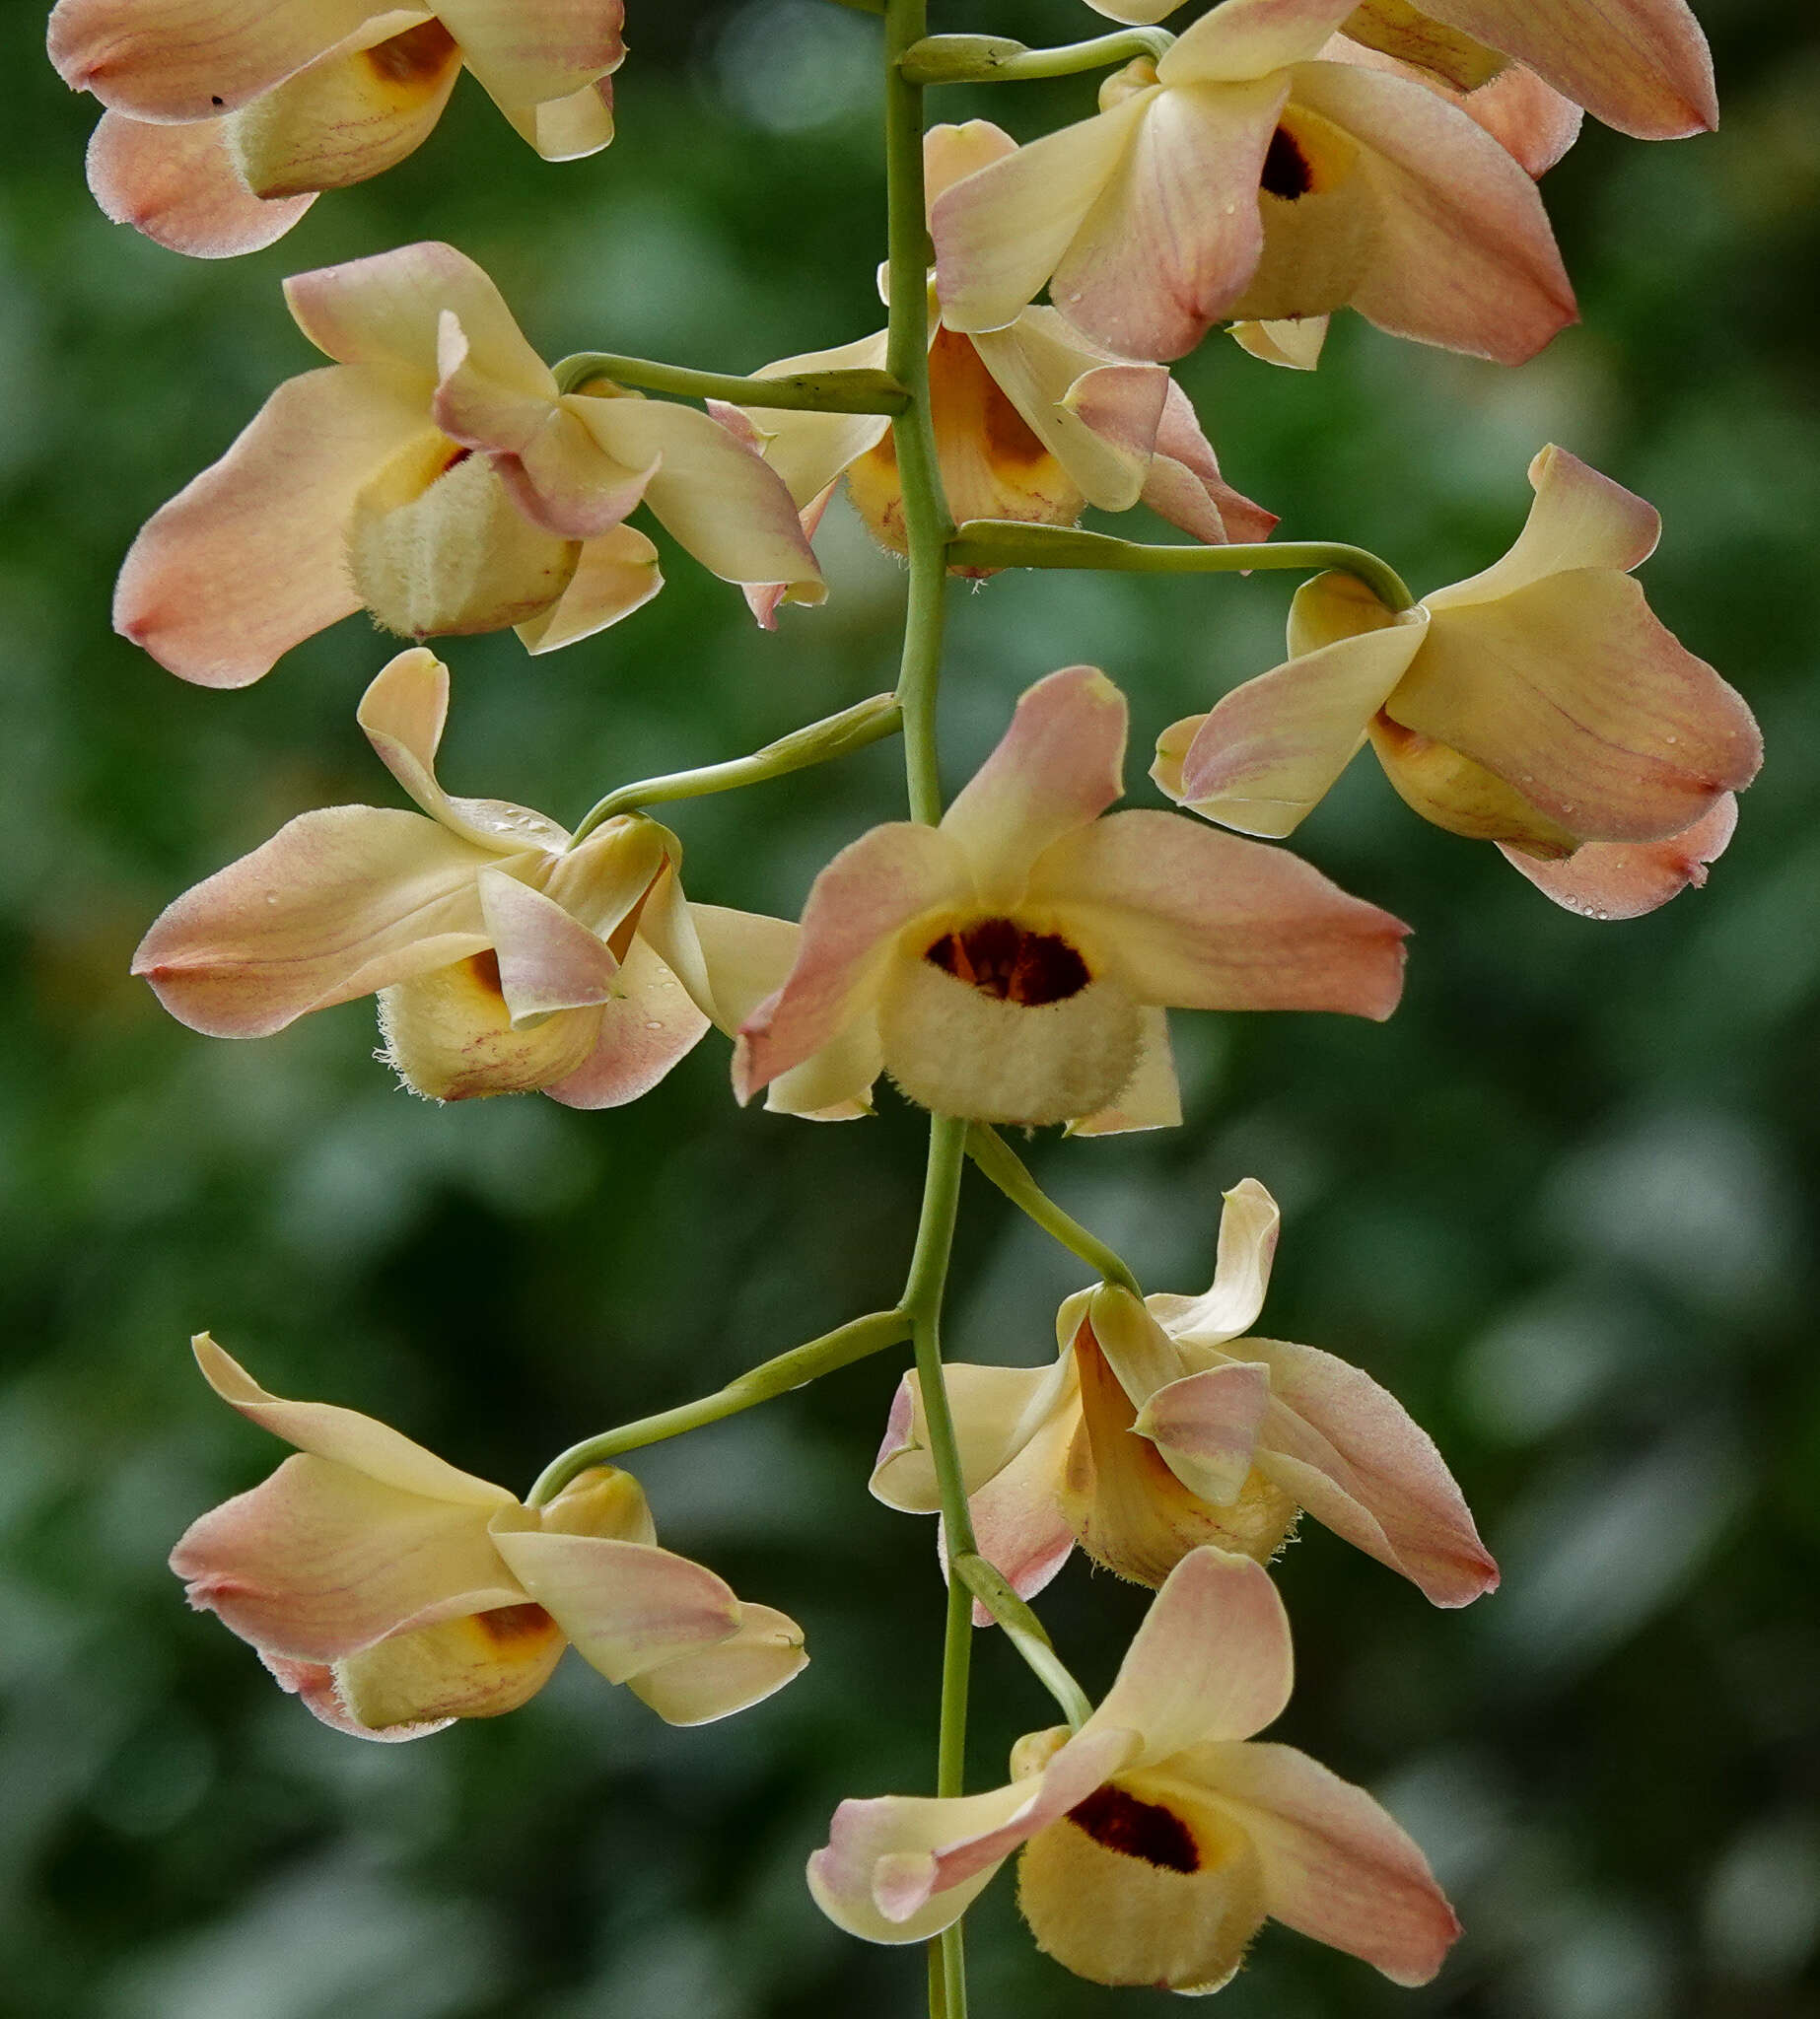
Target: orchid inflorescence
point(1005, 958)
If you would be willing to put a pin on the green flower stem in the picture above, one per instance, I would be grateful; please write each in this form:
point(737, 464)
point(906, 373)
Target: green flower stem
point(1005, 544)
point(819, 393)
point(984, 1581)
point(848, 1342)
point(1001, 1163)
point(996, 59)
point(867, 721)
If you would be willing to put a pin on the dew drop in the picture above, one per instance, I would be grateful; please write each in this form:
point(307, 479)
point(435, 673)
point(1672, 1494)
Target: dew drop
point(653, 1027)
point(1671, 740)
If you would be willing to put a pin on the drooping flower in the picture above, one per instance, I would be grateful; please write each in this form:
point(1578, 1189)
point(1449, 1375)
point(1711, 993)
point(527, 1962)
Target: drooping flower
point(504, 959)
point(1164, 1425)
point(226, 118)
point(1248, 174)
point(1158, 1839)
point(1015, 961)
point(1031, 422)
point(435, 475)
point(1540, 705)
point(394, 1594)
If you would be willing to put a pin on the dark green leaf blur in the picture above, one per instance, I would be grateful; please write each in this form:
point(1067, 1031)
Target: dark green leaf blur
point(1564, 1203)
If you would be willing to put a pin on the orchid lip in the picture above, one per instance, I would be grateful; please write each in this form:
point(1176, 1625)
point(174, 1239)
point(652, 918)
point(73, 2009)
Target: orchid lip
point(1010, 962)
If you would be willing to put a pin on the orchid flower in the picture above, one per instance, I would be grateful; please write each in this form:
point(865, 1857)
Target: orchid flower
point(1157, 1840)
point(395, 1593)
point(1031, 422)
point(435, 475)
point(504, 959)
point(1249, 176)
point(1540, 705)
point(1015, 961)
point(226, 117)
point(1164, 1425)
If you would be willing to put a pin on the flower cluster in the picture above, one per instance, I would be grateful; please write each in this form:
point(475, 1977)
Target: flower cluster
point(1011, 958)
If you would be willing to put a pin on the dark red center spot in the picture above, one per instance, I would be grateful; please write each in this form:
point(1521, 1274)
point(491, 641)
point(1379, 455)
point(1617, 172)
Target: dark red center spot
point(505, 1625)
point(484, 968)
point(1287, 173)
point(415, 57)
point(1136, 1829)
point(1000, 959)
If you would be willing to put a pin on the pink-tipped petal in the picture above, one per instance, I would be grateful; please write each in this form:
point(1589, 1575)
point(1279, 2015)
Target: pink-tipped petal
point(1462, 254)
point(548, 961)
point(1211, 1661)
point(314, 1683)
point(1529, 119)
point(338, 903)
point(1059, 765)
point(1017, 1518)
point(865, 896)
point(696, 1689)
point(525, 53)
point(322, 1559)
point(177, 184)
point(249, 558)
point(1249, 1226)
point(647, 1029)
point(1624, 879)
point(190, 59)
point(1244, 40)
point(1198, 919)
point(627, 1607)
point(616, 574)
point(1642, 66)
point(1336, 1867)
point(1186, 486)
point(1206, 1427)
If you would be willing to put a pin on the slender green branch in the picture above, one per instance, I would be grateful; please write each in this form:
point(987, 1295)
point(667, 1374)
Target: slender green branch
point(1024, 1630)
point(998, 1161)
point(996, 59)
point(821, 392)
point(836, 736)
point(840, 1347)
point(1005, 544)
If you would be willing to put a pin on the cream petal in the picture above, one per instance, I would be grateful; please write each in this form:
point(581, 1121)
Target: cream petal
point(1351, 1454)
point(1461, 254)
point(1248, 39)
point(810, 450)
point(1185, 485)
point(709, 491)
point(756, 1663)
point(1059, 765)
point(322, 1559)
point(996, 1411)
point(1336, 1867)
point(1624, 879)
point(338, 903)
point(859, 904)
point(603, 1500)
point(188, 59)
point(177, 184)
point(627, 1607)
point(313, 1683)
point(1139, 13)
point(1152, 1097)
point(525, 53)
point(249, 558)
point(1206, 1427)
point(1141, 1353)
point(1002, 232)
point(1184, 916)
point(1249, 1225)
point(1212, 1659)
point(1269, 752)
point(1173, 240)
point(1335, 605)
point(1578, 519)
point(951, 151)
point(1529, 119)
point(480, 1664)
point(1573, 692)
point(548, 961)
point(388, 310)
point(1294, 342)
point(1642, 66)
point(349, 115)
point(568, 129)
point(616, 574)
point(647, 1029)
point(343, 1435)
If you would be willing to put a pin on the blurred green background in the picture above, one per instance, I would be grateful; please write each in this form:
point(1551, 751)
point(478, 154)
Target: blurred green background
point(1563, 1203)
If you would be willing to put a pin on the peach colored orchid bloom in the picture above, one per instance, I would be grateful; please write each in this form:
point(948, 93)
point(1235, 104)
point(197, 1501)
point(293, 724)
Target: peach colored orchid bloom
point(1164, 1424)
point(434, 474)
point(1247, 176)
point(394, 1594)
point(1158, 1839)
point(1032, 422)
point(1015, 961)
point(225, 117)
point(1540, 705)
point(504, 959)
